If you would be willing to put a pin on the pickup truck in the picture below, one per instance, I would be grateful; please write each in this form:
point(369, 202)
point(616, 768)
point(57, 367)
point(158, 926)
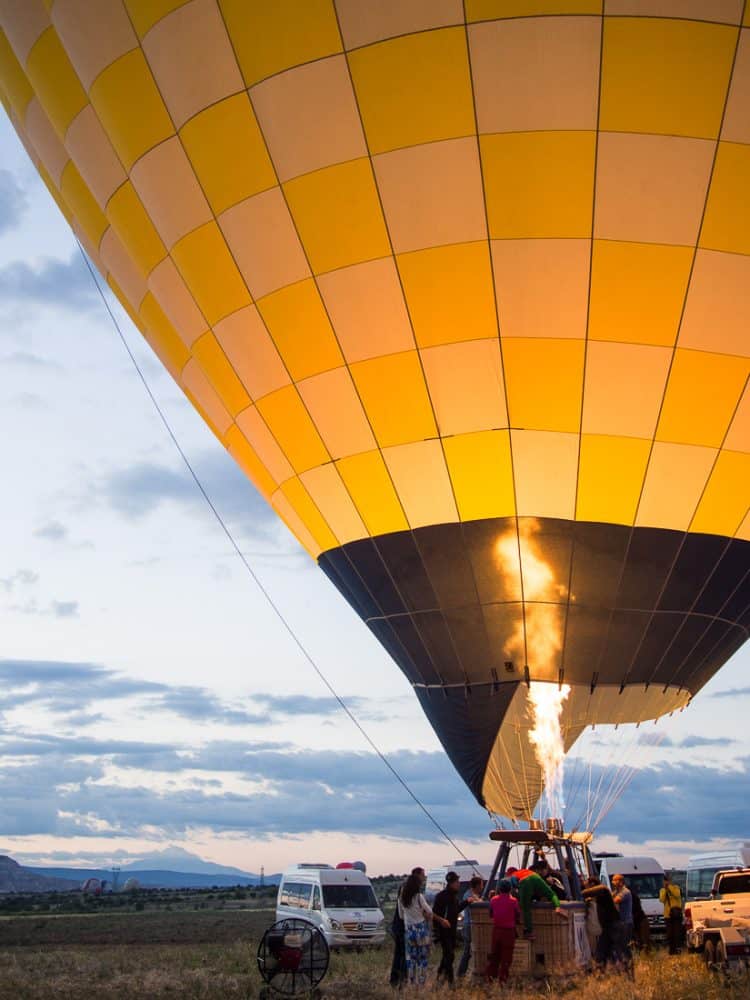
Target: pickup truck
point(720, 926)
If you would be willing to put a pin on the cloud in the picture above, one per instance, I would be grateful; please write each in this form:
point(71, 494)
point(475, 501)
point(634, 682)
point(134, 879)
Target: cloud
point(200, 705)
point(142, 488)
point(64, 609)
point(13, 201)
point(647, 739)
point(25, 359)
point(53, 282)
point(22, 577)
point(53, 531)
point(731, 693)
point(301, 704)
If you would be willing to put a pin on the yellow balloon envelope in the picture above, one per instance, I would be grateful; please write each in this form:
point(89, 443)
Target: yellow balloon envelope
point(465, 290)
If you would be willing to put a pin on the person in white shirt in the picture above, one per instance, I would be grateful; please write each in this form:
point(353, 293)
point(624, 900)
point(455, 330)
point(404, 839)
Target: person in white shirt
point(417, 915)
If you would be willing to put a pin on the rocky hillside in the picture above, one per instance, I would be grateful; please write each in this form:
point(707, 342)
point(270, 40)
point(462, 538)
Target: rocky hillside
point(14, 878)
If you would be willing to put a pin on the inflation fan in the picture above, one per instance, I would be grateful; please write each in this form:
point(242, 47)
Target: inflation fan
point(293, 957)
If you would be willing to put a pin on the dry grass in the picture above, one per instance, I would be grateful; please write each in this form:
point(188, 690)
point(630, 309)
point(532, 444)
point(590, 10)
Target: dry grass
point(188, 962)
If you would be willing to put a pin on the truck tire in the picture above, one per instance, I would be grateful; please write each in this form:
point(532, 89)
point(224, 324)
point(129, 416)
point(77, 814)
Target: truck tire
point(709, 954)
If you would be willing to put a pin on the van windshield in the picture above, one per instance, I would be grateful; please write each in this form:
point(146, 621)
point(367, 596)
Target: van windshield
point(647, 886)
point(349, 897)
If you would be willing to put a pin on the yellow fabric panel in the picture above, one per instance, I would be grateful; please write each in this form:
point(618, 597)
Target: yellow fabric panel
point(127, 305)
point(545, 468)
point(162, 336)
point(13, 79)
point(290, 424)
point(637, 291)
point(337, 412)
point(212, 140)
point(145, 13)
point(130, 108)
point(394, 395)
point(292, 520)
point(724, 503)
point(204, 261)
point(539, 184)
point(338, 215)
point(54, 191)
point(414, 89)
point(54, 80)
point(134, 227)
point(543, 380)
point(623, 389)
point(449, 293)
point(309, 514)
point(465, 383)
point(270, 37)
point(481, 471)
point(329, 494)
point(701, 396)
point(676, 476)
point(610, 478)
point(665, 75)
point(485, 10)
point(371, 489)
point(727, 222)
point(247, 458)
point(221, 375)
point(88, 214)
point(420, 475)
point(297, 321)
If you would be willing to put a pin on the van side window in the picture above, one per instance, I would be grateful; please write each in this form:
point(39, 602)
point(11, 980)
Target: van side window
point(316, 898)
point(284, 900)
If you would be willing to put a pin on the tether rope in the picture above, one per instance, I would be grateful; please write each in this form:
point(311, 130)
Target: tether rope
point(274, 607)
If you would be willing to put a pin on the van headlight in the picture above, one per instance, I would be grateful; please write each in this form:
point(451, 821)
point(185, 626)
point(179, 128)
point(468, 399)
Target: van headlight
point(335, 925)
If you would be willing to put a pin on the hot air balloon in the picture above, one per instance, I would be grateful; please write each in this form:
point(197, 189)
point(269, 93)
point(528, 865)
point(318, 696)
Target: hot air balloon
point(464, 288)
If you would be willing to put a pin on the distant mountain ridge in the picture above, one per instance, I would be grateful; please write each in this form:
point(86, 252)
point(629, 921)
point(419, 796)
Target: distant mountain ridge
point(172, 868)
point(15, 878)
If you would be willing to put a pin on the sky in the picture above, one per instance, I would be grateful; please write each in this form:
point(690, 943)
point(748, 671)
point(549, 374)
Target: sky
point(149, 695)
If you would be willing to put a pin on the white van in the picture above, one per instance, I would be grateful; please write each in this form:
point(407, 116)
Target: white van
point(701, 869)
point(339, 901)
point(646, 876)
point(466, 870)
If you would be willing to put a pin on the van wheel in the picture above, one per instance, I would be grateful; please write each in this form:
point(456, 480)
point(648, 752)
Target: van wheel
point(709, 955)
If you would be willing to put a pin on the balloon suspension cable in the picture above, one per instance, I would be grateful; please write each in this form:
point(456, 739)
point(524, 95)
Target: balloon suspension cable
point(274, 607)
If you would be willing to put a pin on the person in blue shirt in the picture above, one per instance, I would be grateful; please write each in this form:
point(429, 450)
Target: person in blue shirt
point(472, 895)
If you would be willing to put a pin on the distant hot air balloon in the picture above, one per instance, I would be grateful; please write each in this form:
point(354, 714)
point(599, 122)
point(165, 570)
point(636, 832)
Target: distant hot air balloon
point(465, 290)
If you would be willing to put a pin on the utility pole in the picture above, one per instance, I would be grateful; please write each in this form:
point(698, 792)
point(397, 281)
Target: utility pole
point(262, 876)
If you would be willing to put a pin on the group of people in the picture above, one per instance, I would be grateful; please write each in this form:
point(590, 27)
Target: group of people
point(615, 920)
point(415, 922)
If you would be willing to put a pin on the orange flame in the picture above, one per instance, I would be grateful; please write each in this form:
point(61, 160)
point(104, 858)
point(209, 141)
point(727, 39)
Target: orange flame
point(539, 647)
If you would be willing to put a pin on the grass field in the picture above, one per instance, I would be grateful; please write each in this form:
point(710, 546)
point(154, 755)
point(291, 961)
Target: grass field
point(212, 955)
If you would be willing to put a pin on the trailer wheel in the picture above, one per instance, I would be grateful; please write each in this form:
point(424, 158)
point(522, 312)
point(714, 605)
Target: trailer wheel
point(709, 954)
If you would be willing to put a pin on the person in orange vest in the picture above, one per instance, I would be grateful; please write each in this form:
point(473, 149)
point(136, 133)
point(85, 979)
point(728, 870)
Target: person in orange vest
point(531, 886)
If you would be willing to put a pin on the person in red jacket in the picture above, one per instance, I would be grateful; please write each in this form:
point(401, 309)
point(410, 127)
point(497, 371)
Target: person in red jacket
point(506, 913)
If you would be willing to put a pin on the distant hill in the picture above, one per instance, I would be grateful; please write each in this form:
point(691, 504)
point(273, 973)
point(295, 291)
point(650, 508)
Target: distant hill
point(176, 859)
point(14, 878)
point(172, 868)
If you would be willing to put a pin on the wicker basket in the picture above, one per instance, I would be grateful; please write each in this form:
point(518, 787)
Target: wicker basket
point(559, 944)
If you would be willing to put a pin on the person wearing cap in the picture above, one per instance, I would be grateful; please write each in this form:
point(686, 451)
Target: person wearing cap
point(531, 886)
point(448, 906)
point(506, 913)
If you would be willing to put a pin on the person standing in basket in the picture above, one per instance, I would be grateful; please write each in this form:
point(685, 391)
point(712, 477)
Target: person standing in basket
point(671, 897)
point(417, 916)
point(506, 914)
point(472, 895)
